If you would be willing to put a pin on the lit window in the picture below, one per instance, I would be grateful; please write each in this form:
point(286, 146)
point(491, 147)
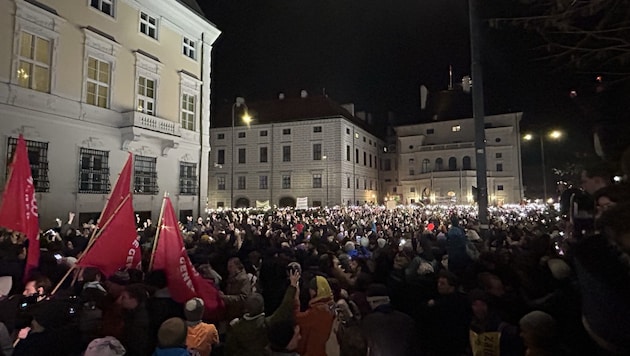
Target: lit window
point(456, 128)
point(98, 80)
point(93, 171)
point(145, 175)
point(34, 62)
point(189, 111)
point(146, 95)
point(188, 48)
point(148, 25)
point(187, 178)
point(317, 180)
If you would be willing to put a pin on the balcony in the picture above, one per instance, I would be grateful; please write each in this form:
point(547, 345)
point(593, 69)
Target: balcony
point(136, 125)
point(447, 146)
point(149, 122)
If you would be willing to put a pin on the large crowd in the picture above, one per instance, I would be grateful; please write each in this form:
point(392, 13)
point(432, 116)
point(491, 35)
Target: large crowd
point(360, 280)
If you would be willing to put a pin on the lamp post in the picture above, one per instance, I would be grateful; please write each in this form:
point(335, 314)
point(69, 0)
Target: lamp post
point(325, 158)
point(554, 135)
point(240, 101)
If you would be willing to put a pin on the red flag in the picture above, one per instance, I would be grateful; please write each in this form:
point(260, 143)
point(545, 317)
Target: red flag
point(122, 188)
point(184, 282)
point(116, 246)
point(19, 207)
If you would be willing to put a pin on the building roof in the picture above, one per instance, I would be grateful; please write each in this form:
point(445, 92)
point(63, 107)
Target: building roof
point(291, 110)
point(193, 5)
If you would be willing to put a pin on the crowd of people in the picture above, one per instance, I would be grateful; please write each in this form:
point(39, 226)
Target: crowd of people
point(360, 280)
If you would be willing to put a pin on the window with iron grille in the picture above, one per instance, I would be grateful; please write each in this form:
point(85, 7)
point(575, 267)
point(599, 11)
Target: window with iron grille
point(263, 133)
point(145, 175)
point(286, 181)
point(286, 131)
point(94, 171)
point(317, 180)
point(220, 183)
point(38, 159)
point(187, 178)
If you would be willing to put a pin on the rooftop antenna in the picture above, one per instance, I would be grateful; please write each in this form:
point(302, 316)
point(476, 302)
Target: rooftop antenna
point(450, 77)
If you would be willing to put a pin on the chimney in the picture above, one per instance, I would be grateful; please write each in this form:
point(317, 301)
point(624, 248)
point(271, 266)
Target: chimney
point(303, 94)
point(424, 93)
point(349, 107)
point(361, 115)
point(281, 96)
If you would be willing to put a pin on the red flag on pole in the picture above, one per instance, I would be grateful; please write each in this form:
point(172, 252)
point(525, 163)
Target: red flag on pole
point(122, 188)
point(184, 282)
point(19, 207)
point(116, 246)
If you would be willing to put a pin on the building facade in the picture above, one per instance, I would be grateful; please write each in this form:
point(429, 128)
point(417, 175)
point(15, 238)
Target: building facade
point(436, 161)
point(294, 148)
point(88, 81)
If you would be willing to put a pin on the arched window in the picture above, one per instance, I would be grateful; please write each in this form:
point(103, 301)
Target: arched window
point(439, 164)
point(452, 164)
point(466, 163)
point(426, 163)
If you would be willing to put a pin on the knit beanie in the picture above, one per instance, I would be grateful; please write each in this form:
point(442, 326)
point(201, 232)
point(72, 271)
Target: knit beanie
point(255, 304)
point(193, 310)
point(172, 333)
point(541, 325)
point(106, 346)
point(349, 246)
point(381, 242)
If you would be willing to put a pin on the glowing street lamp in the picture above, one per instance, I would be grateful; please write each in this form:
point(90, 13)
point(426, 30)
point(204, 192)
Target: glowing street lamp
point(554, 135)
point(240, 101)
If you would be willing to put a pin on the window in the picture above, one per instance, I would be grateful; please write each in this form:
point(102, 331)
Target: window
point(263, 154)
point(370, 160)
point(188, 48)
point(439, 164)
point(220, 136)
point(220, 204)
point(98, 82)
point(317, 180)
point(365, 184)
point(387, 164)
point(317, 152)
point(104, 6)
point(146, 96)
point(497, 140)
point(286, 181)
point(348, 153)
point(466, 165)
point(347, 131)
point(498, 155)
point(263, 182)
point(356, 155)
point(356, 135)
point(317, 129)
point(220, 156)
point(148, 25)
point(38, 159)
point(187, 178)
point(430, 131)
point(499, 167)
point(426, 165)
point(145, 175)
point(348, 182)
point(241, 182)
point(364, 139)
point(286, 153)
point(220, 183)
point(394, 189)
point(412, 189)
point(357, 184)
point(34, 62)
point(411, 171)
point(263, 133)
point(93, 171)
point(189, 111)
point(452, 164)
point(364, 158)
point(500, 187)
point(242, 135)
point(286, 131)
point(456, 128)
point(242, 155)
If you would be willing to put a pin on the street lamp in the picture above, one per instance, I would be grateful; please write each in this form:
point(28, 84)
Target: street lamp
point(325, 158)
point(240, 101)
point(554, 135)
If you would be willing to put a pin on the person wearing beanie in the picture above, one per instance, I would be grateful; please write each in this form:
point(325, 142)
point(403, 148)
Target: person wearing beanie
point(316, 322)
point(387, 331)
point(201, 336)
point(249, 335)
point(106, 346)
point(283, 338)
point(172, 338)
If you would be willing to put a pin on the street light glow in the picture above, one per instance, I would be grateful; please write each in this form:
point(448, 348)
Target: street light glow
point(555, 134)
point(528, 137)
point(247, 118)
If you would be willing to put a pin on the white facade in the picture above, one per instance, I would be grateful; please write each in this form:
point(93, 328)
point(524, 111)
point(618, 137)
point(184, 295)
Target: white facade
point(332, 161)
point(436, 161)
point(86, 82)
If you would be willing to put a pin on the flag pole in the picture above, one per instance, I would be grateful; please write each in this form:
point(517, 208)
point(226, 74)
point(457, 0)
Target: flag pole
point(157, 232)
point(90, 244)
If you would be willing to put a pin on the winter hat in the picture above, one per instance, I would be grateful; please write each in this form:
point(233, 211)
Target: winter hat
point(5, 285)
point(541, 325)
point(172, 333)
point(381, 242)
point(193, 310)
point(106, 346)
point(365, 242)
point(255, 304)
point(559, 269)
point(349, 246)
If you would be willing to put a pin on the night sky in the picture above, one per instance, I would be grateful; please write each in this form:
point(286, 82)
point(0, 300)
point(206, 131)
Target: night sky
point(377, 53)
